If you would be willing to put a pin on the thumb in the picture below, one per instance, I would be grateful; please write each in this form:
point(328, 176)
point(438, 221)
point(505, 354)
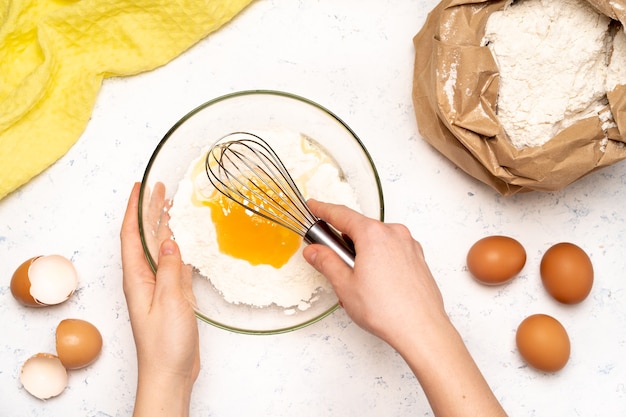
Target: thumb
point(328, 263)
point(169, 271)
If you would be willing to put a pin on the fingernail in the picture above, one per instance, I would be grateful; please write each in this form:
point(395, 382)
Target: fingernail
point(310, 255)
point(168, 247)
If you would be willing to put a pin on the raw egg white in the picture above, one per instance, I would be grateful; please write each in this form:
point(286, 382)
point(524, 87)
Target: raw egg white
point(78, 343)
point(44, 376)
point(495, 260)
point(44, 280)
point(543, 342)
point(567, 273)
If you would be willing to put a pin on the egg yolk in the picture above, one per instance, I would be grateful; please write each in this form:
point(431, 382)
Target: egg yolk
point(248, 236)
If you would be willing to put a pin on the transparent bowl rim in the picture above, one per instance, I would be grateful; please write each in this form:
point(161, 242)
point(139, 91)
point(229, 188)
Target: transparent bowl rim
point(201, 107)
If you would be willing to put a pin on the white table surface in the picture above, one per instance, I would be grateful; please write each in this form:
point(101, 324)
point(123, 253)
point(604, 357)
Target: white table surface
point(356, 58)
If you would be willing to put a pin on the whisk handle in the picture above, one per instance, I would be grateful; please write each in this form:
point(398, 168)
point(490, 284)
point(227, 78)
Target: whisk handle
point(322, 233)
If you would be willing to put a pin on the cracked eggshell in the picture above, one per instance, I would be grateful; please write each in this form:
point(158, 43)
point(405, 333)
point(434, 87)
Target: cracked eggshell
point(44, 280)
point(44, 376)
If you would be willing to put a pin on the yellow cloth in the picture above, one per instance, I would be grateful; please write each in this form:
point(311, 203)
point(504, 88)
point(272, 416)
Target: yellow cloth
point(54, 55)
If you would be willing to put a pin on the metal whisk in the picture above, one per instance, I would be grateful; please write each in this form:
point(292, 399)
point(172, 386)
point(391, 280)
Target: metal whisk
point(244, 168)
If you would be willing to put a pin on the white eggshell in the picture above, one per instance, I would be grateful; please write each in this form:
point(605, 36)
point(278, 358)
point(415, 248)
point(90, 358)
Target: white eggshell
point(53, 279)
point(44, 376)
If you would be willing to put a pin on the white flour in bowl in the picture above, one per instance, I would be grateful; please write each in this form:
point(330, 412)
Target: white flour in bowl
point(553, 57)
point(295, 284)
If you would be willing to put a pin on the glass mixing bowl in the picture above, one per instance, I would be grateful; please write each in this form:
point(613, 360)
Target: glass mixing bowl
point(257, 110)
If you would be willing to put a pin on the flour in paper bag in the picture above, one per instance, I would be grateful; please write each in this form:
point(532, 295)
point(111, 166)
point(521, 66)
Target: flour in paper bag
point(556, 64)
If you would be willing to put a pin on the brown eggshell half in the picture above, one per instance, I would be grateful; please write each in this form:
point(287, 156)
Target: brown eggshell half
point(44, 376)
point(20, 285)
point(44, 280)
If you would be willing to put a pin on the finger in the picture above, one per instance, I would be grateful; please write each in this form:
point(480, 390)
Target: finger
point(154, 203)
point(342, 218)
point(155, 217)
point(169, 274)
point(329, 264)
point(159, 212)
point(130, 221)
point(136, 271)
point(187, 284)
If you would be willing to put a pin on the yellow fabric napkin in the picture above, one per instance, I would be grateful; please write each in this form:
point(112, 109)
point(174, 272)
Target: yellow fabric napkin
point(54, 55)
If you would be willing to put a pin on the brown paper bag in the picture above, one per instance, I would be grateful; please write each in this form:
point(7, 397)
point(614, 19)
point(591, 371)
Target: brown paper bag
point(465, 128)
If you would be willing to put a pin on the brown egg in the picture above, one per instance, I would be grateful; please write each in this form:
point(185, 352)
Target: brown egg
point(44, 280)
point(495, 260)
point(567, 273)
point(543, 342)
point(78, 343)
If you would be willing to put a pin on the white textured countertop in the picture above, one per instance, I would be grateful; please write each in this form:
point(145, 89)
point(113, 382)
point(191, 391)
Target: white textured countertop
point(356, 58)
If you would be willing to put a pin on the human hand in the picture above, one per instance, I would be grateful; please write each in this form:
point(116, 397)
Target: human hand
point(163, 322)
point(392, 294)
point(391, 288)
point(155, 212)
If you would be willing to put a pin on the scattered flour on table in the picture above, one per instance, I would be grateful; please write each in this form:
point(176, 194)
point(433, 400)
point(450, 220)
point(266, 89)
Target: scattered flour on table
point(294, 285)
point(557, 59)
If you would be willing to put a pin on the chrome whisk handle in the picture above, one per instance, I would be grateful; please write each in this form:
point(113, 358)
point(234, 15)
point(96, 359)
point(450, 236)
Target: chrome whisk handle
point(323, 234)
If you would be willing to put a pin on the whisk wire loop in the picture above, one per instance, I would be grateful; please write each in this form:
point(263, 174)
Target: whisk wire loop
point(248, 171)
point(244, 168)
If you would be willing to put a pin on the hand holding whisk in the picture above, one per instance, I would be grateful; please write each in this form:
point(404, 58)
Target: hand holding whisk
point(244, 168)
